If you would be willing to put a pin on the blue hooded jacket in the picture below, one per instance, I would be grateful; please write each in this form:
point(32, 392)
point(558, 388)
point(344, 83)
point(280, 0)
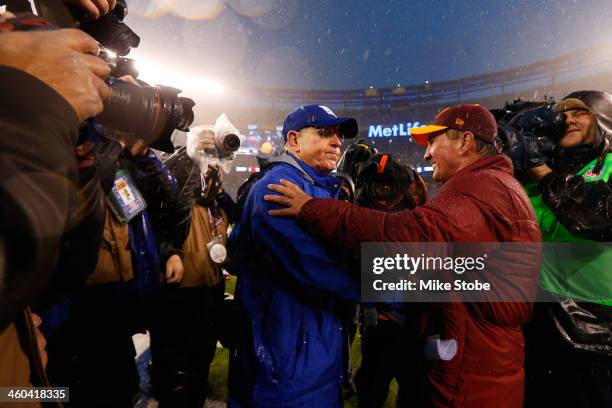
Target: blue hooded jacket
point(290, 290)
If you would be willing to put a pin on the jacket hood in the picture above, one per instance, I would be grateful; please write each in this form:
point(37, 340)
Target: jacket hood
point(285, 157)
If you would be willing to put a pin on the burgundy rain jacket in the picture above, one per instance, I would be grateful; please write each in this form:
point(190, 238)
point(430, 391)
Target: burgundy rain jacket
point(481, 203)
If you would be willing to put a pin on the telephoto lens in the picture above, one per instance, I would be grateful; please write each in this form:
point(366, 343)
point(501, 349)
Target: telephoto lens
point(226, 144)
point(152, 113)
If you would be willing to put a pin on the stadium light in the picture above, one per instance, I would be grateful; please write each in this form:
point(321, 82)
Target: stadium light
point(158, 74)
point(371, 91)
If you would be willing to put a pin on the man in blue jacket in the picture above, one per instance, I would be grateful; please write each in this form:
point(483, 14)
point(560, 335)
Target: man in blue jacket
point(290, 287)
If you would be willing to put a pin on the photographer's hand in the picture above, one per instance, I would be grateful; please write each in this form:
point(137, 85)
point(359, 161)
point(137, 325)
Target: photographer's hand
point(538, 173)
point(5, 16)
point(174, 269)
point(41, 342)
point(525, 152)
point(94, 8)
point(139, 148)
point(63, 59)
point(84, 154)
point(206, 140)
point(130, 80)
point(291, 196)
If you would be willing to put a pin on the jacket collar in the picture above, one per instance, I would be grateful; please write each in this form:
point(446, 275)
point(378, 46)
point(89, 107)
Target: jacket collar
point(328, 181)
point(499, 162)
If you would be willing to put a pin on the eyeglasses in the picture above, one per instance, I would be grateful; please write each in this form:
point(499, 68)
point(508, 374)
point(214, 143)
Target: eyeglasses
point(327, 132)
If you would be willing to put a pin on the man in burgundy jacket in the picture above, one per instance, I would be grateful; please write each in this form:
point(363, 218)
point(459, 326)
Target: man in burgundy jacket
point(480, 201)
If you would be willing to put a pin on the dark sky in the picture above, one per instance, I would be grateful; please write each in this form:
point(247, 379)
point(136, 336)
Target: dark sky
point(329, 44)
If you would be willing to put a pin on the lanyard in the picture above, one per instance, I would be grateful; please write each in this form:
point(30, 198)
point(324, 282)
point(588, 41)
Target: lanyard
point(214, 222)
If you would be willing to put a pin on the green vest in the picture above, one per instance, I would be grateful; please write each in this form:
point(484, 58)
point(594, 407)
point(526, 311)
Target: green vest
point(575, 267)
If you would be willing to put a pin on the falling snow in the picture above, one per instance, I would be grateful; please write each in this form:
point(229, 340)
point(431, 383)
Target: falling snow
point(357, 43)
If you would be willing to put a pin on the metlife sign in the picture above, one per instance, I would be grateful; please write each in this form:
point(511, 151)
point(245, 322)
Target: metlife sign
point(400, 129)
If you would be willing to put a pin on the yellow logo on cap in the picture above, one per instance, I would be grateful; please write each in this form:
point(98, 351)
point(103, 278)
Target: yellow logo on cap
point(459, 121)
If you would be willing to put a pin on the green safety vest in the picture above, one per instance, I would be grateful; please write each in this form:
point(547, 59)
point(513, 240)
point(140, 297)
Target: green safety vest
point(577, 268)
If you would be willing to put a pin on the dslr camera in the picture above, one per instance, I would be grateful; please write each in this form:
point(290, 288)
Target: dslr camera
point(225, 144)
point(151, 113)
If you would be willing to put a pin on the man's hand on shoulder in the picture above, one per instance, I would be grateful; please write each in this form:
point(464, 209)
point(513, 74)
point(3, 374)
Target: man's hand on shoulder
point(291, 196)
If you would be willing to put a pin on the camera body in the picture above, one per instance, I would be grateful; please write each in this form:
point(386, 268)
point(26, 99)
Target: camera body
point(213, 144)
point(529, 125)
point(110, 30)
point(386, 185)
point(375, 180)
point(536, 121)
point(151, 113)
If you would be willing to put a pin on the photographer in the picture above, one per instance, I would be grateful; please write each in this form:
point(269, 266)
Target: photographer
point(41, 110)
point(382, 183)
point(569, 340)
point(190, 313)
point(91, 348)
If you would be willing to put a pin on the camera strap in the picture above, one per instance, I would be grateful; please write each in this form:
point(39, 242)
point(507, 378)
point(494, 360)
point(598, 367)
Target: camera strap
point(124, 199)
point(214, 222)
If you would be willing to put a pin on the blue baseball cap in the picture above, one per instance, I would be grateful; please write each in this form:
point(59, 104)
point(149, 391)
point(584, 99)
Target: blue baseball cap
point(318, 116)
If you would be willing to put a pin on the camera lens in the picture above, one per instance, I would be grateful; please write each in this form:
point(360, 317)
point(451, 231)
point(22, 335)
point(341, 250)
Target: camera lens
point(231, 142)
point(382, 190)
point(152, 113)
point(226, 144)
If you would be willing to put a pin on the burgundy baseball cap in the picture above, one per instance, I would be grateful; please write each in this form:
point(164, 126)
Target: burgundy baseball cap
point(469, 117)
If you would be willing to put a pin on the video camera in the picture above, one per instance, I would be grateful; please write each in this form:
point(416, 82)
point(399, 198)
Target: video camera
point(522, 122)
point(151, 113)
point(375, 180)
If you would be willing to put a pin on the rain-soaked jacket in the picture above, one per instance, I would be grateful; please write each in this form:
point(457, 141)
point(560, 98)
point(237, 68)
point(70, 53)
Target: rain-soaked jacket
point(574, 204)
point(480, 203)
point(290, 289)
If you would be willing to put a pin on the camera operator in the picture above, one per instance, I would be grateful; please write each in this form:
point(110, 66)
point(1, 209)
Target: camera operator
point(42, 106)
point(384, 184)
point(190, 314)
point(569, 340)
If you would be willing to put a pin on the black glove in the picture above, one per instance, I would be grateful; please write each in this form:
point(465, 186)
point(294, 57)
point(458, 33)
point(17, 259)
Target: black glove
point(523, 148)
